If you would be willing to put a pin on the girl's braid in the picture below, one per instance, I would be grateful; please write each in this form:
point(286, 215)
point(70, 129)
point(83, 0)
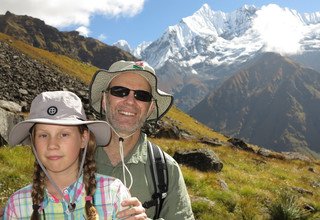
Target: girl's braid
point(89, 179)
point(38, 187)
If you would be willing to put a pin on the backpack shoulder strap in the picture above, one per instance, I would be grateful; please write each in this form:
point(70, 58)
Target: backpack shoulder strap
point(159, 172)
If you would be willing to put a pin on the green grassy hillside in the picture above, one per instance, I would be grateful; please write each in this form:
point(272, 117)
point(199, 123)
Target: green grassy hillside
point(256, 185)
point(248, 187)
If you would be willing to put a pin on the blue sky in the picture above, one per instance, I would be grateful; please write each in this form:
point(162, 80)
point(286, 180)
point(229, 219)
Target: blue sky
point(132, 20)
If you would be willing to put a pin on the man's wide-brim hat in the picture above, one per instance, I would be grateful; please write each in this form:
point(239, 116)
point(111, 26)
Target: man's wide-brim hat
point(58, 108)
point(102, 78)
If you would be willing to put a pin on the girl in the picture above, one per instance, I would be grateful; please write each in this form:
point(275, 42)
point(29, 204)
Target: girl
point(65, 185)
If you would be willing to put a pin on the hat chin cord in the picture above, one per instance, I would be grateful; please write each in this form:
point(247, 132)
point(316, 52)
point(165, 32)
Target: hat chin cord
point(124, 166)
point(71, 205)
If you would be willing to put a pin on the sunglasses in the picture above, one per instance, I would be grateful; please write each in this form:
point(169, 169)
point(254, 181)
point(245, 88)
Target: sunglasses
point(120, 91)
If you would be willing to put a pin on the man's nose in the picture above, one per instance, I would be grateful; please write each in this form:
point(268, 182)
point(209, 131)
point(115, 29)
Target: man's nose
point(130, 97)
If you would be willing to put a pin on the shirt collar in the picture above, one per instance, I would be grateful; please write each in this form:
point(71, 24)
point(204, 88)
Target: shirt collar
point(68, 192)
point(136, 155)
point(139, 152)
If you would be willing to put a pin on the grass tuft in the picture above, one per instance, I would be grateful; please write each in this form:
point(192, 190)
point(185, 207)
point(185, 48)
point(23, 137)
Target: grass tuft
point(287, 207)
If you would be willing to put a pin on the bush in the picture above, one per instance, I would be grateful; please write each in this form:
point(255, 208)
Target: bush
point(287, 207)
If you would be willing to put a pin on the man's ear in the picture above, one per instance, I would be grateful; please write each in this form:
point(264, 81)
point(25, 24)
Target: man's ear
point(151, 108)
point(103, 101)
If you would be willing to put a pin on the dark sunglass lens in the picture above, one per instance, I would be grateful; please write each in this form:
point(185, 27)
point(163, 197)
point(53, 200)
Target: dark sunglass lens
point(143, 96)
point(119, 91)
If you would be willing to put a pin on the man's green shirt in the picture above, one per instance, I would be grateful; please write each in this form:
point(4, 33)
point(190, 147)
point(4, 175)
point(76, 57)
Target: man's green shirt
point(176, 205)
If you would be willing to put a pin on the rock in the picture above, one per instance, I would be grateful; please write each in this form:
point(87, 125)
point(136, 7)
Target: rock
point(302, 191)
point(271, 154)
point(166, 129)
point(264, 152)
point(295, 156)
point(202, 199)
point(7, 121)
point(315, 184)
point(10, 106)
point(309, 208)
point(23, 92)
point(240, 144)
point(311, 169)
point(211, 141)
point(223, 184)
point(2, 141)
point(201, 159)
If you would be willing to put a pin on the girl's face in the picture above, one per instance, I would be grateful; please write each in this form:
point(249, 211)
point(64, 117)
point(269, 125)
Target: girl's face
point(58, 147)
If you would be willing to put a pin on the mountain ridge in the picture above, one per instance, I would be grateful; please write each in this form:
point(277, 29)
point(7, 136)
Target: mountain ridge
point(36, 33)
point(275, 96)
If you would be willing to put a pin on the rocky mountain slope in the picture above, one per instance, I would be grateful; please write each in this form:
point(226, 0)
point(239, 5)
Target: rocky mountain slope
point(273, 102)
point(22, 78)
point(36, 33)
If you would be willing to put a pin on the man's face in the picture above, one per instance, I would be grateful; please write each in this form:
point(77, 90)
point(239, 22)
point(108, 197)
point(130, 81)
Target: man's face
point(127, 114)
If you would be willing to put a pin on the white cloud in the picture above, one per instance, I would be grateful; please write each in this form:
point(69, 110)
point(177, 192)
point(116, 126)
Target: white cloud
point(84, 31)
point(102, 37)
point(63, 13)
point(280, 29)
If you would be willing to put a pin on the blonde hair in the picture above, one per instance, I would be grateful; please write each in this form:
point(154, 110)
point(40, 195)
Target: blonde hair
point(89, 180)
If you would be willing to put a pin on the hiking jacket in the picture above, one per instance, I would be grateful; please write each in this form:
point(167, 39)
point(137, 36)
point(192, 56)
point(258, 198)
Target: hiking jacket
point(176, 205)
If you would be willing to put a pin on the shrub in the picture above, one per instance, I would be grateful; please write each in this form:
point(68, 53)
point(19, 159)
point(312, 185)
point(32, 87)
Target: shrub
point(287, 207)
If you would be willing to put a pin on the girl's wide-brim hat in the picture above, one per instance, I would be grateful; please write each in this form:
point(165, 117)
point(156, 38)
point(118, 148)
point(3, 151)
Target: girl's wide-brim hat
point(58, 108)
point(102, 79)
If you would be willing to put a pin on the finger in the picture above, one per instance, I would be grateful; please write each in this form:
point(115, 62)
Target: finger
point(131, 202)
point(133, 211)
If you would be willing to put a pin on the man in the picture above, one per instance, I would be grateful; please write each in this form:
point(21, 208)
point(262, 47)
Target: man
point(128, 96)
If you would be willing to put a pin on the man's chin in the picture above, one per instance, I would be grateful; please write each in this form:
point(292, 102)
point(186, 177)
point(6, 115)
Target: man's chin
point(127, 130)
point(125, 126)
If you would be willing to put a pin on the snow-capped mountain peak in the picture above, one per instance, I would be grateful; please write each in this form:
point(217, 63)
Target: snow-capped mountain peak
point(213, 44)
point(197, 34)
point(123, 44)
point(137, 51)
point(201, 22)
point(245, 30)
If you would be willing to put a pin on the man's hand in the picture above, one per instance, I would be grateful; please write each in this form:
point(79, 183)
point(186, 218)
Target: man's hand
point(133, 211)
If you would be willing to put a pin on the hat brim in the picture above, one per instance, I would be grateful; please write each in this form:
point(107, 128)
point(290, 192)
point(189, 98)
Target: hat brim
point(102, 79)
point(20, 132)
